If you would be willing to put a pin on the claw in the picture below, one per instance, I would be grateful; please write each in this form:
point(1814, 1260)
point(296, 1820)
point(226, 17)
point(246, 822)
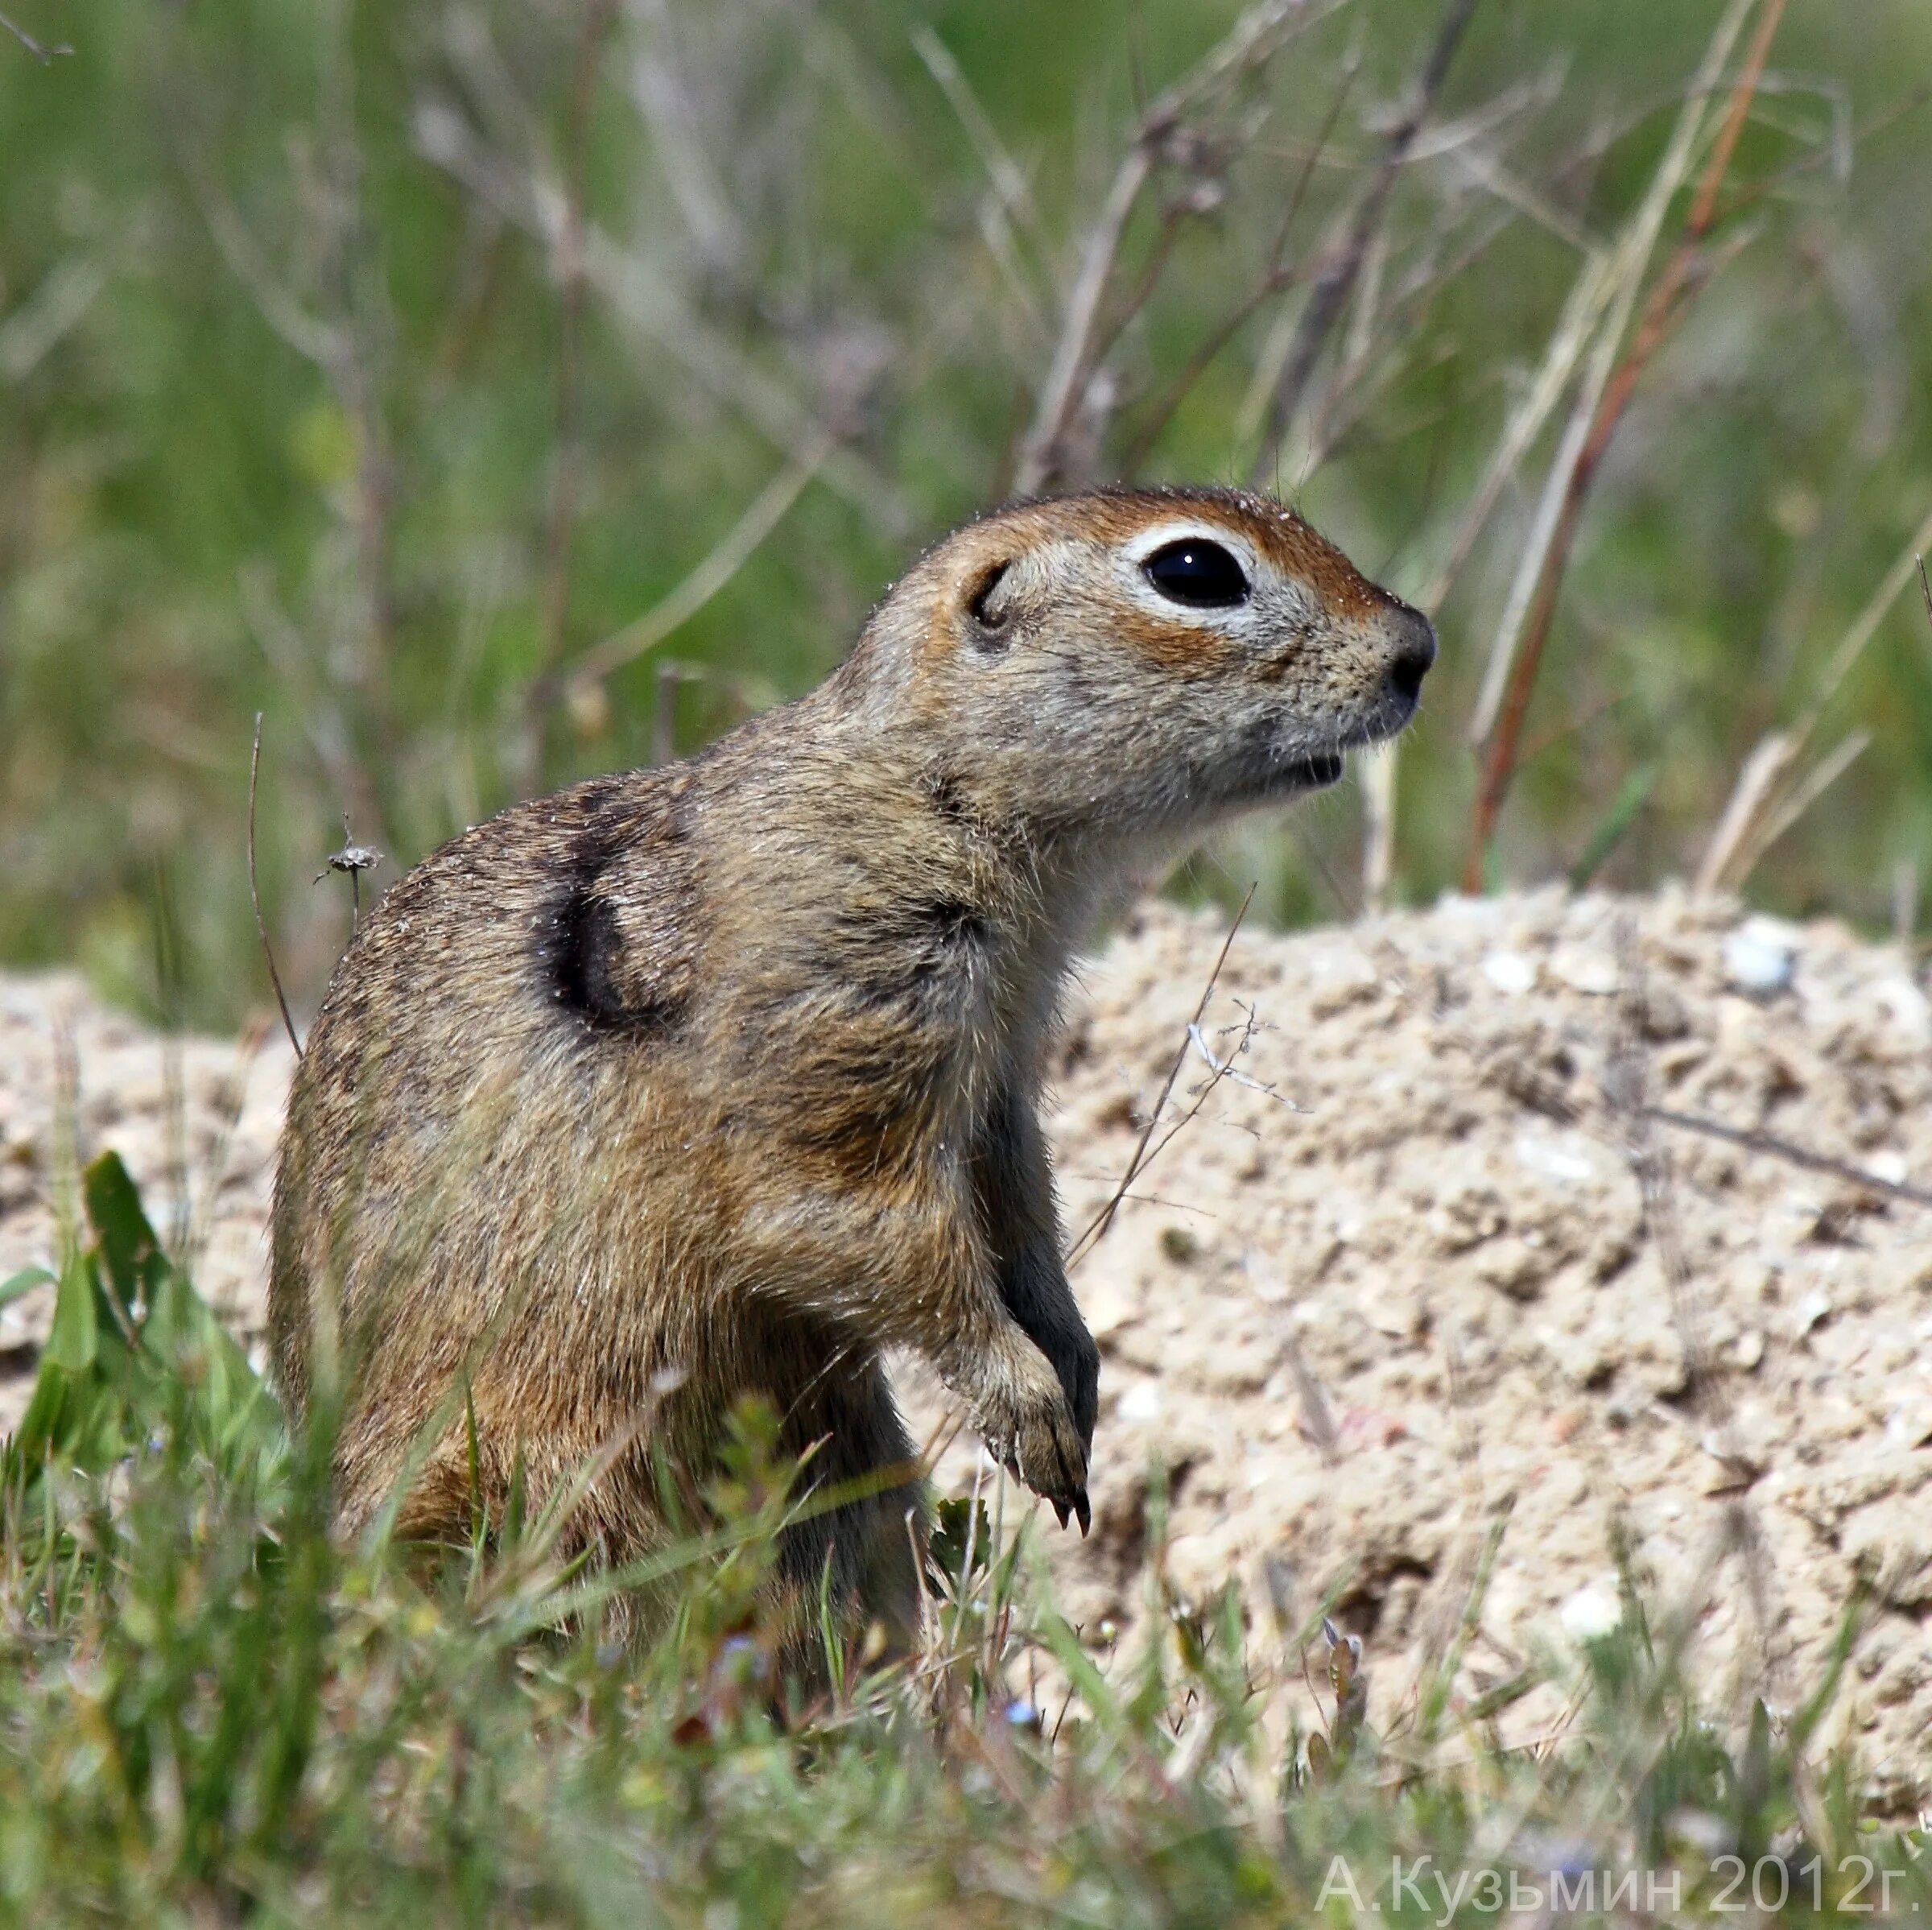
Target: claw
point(1082, 1510)
point(1060, 1508)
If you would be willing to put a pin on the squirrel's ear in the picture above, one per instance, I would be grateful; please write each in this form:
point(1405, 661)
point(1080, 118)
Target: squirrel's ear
point(987, 610)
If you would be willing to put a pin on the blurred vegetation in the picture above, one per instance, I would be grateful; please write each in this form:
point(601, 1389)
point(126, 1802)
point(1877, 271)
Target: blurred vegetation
point(368, 366)
point(214, 1712)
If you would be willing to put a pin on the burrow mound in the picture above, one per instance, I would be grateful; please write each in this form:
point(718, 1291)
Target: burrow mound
point(1418, 1261)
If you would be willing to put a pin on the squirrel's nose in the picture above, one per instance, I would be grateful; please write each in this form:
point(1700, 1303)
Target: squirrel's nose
point(1415, 638)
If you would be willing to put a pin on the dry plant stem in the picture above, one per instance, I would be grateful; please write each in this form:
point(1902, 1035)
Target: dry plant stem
point(1381, 770)
point(1530, 1089)
point(43, 54)
point(1798, 1156)
point(1601, 315)
point(1097, 1227)
point(1011, 207)
point(1330, 295)
point(1060, 394)
point(1769, 759)
point(1853, 644)
point(524, 196)
point(1738, 843)
point(1249, 44)
point(1663, 310)
point(1280, 275)
point(1816, 782)
point(760, 517)
point(254, 894)
point(1583, 310)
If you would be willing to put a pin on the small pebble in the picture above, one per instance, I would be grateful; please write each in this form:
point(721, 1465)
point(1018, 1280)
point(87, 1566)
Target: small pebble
point(1510, 972)
point(1591, 1613)
point(1760, 958)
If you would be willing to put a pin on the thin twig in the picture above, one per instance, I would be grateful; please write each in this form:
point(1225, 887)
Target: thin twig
point(1583, 310)
point(1011, 208)
point(1733, 847)
point(1598, 315)
point(1381, 770)
point(1663, 310)
point(1770, 757)
point(523, 192)
point(46, 56)
point(1771, 1145)
point(1817, 781)
point(1330, 295)
point(1281, 275)
point(1227, 1068)
point(730, 554)
point(1059, 394)
point(254, 894)
point(1255, 36)
point(1096, 1229)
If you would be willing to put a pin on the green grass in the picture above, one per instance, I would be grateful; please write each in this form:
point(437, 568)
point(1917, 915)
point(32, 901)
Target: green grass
point(211, 1712)
point(189, 532)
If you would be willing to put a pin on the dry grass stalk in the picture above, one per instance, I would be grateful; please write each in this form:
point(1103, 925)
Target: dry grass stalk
point(1769, 759)
point(1576, 327)
point(1622, 276)
point(1145, 1151)
point(1380, 768)
point(1159, 135)
point(1608, 386)
point(1862, 1177)
point(1009, 207)
point(730, 555)
point(1743, 834)
point(523, 190)
point(1800, 799)
point(1279, 275)
point(40, 50)
point(1333, 285)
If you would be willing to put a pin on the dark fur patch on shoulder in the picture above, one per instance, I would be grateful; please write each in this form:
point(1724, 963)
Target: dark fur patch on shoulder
point(616, 949)
point(586, 950)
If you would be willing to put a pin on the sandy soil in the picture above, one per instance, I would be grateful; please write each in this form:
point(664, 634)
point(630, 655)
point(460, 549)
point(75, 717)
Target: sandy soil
point(1393, 1281)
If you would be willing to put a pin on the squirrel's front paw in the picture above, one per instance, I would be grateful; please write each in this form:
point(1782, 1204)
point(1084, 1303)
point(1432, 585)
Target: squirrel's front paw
point(1023, 1414)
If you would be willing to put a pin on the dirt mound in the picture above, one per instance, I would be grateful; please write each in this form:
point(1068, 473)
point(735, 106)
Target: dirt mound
point(1394, 1283)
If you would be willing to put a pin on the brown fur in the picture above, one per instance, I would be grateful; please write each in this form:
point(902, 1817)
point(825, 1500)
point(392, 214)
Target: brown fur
point(726, 1073)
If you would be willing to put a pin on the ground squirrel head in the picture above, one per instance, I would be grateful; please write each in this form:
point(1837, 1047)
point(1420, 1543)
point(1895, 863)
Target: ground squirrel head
point(1143, 661)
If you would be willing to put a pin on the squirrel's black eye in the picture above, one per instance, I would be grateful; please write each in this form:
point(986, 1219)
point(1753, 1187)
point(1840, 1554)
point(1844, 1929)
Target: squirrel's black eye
point(1196, 572)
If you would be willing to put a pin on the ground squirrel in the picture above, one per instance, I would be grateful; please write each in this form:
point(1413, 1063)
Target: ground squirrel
point(726, 1073)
